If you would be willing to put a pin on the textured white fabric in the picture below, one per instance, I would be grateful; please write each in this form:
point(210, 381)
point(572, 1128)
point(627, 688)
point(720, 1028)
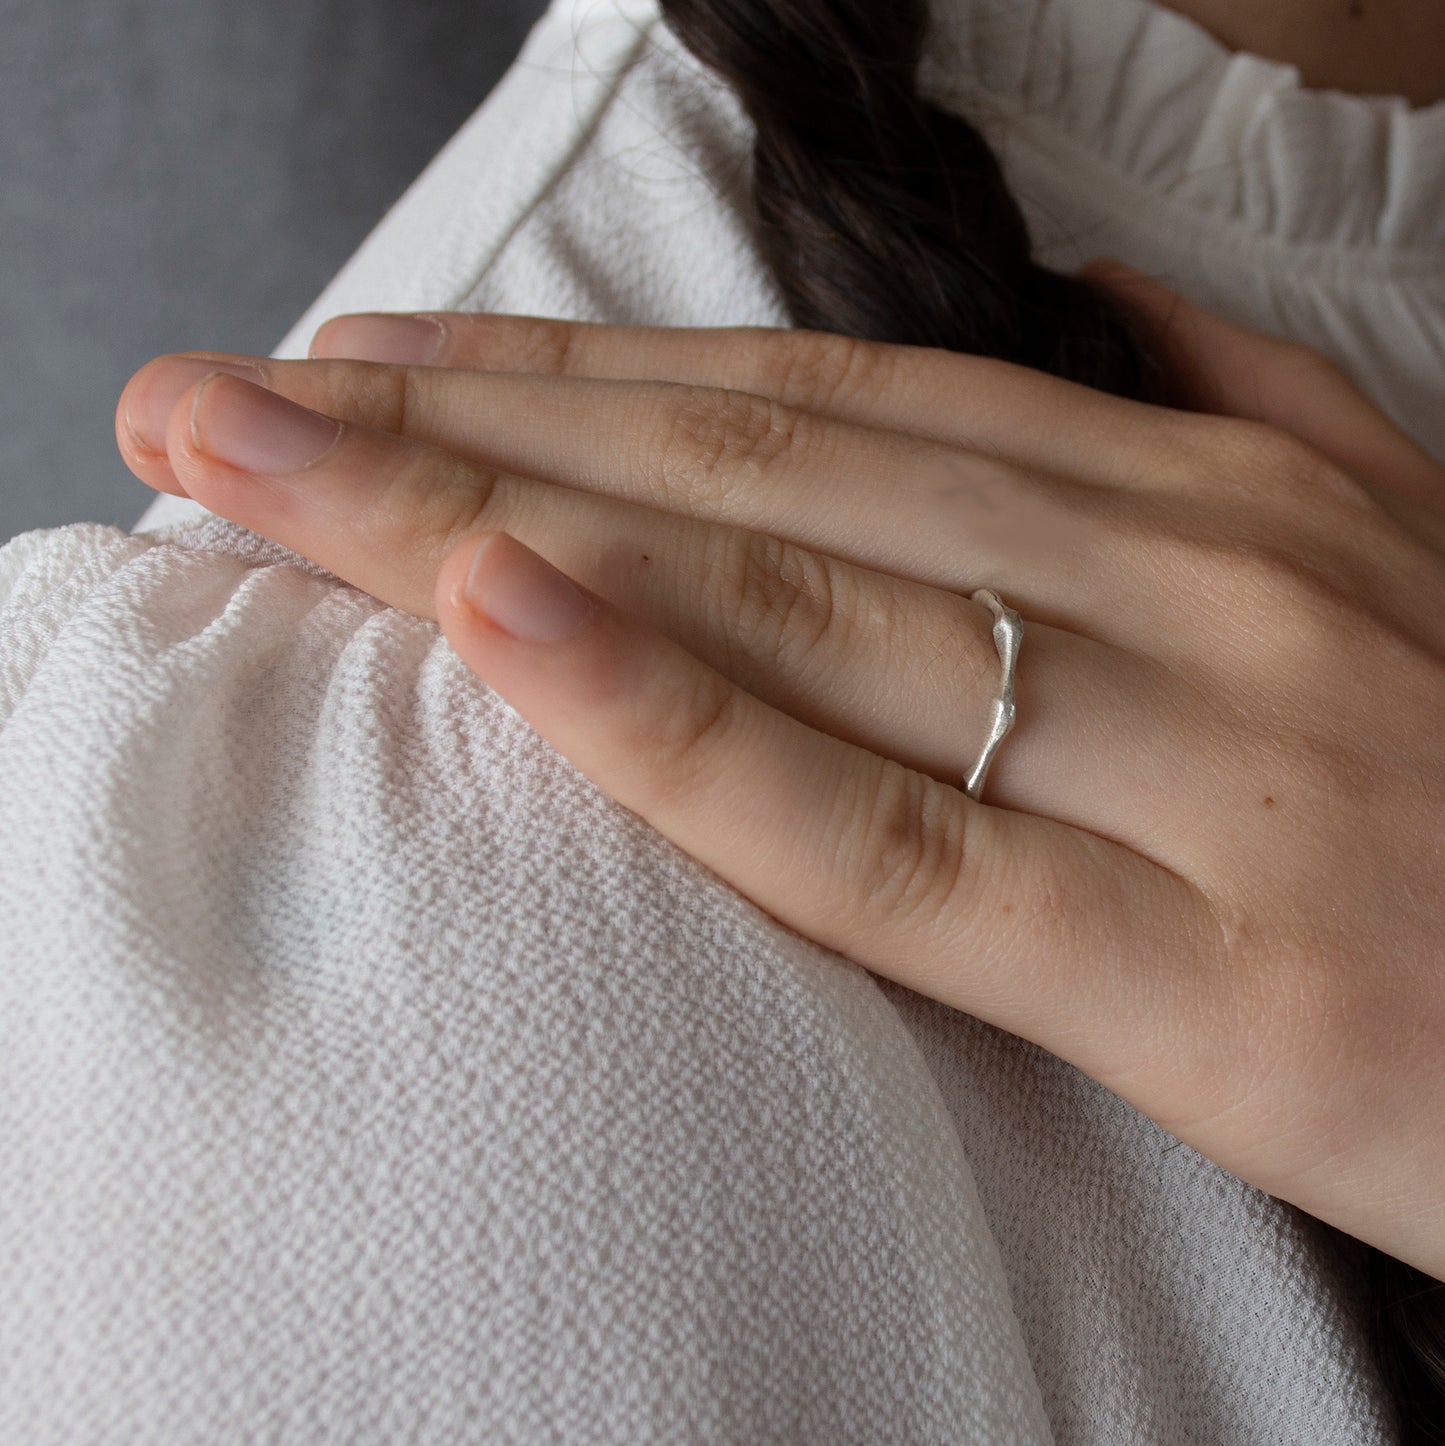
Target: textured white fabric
point(366, 1075)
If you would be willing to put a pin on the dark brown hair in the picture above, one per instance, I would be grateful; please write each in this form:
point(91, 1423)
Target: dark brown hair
point(885, 217)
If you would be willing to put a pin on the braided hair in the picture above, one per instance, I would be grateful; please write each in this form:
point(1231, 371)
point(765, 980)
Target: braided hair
point(884, 217)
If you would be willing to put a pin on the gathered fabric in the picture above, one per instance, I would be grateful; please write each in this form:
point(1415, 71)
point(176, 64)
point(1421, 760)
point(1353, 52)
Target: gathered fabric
point(368, 1075)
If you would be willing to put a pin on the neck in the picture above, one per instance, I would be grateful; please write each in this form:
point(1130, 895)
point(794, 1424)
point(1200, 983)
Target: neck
point(1368, 47)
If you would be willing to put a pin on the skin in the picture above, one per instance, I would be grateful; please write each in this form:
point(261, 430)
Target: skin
point(1207, 868)
point(1367, 47)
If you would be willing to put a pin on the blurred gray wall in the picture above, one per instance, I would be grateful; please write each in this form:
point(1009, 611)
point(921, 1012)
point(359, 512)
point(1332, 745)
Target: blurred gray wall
point(188, 173)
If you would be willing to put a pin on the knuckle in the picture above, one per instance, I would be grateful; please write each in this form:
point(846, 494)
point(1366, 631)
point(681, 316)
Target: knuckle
point(429, 501)
point(1303, 364)
point(1312, 479)
point(778, 600)
point(394, 399)
point(909, 855)
point(1295, 633)
point(1313, 762)
point(715, 442)
point(540, 345)
point(682, 744)
point(1281, 609)
point(370, 394)
point(406, 402)
point(429, 497)
point(819, 368)
point(1294, 561)
point(1277, 464)
point(1293, 600)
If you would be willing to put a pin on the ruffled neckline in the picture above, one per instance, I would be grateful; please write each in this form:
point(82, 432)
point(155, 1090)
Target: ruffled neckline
point(1160, 100)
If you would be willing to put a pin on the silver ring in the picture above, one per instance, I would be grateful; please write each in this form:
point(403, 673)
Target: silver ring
point(1008, 632)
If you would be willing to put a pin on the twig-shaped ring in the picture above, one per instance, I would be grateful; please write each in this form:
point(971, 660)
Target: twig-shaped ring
point(1008, 632)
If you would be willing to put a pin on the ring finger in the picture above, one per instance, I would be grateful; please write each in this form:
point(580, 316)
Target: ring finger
point(906, 670)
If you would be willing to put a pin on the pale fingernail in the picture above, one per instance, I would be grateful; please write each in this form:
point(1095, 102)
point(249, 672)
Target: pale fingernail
point(256, 430)
point(401, 340)
point(523, 594)
point(148, 407)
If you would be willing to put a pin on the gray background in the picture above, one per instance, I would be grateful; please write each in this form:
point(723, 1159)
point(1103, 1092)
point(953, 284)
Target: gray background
point(187, 173)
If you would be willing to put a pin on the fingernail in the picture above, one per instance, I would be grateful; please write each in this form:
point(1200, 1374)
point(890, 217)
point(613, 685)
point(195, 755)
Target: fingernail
point(256, 430)
point(148, 407)
point(401, 340)
point(523, 594)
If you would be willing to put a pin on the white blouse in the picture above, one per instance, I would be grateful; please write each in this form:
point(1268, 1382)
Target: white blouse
point(368, 1075)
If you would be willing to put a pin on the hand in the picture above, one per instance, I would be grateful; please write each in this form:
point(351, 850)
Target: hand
point(1210, 869)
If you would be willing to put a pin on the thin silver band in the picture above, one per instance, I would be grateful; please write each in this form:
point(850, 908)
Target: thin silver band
point(1008, 632)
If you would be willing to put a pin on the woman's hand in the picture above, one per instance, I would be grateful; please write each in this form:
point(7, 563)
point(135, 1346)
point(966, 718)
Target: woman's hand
point(1210, 871)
